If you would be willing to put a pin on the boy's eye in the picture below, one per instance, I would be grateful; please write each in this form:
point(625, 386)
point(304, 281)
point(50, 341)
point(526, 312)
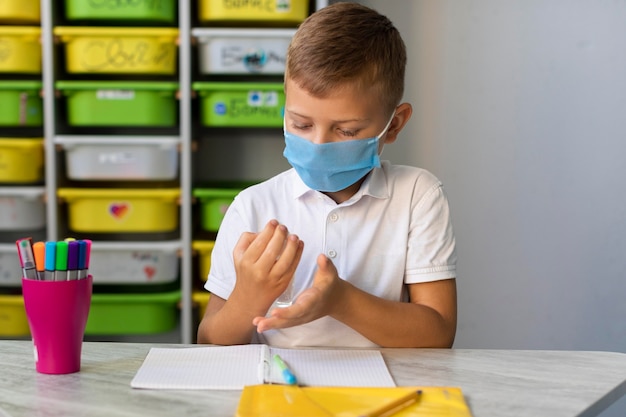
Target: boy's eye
point(348, 133)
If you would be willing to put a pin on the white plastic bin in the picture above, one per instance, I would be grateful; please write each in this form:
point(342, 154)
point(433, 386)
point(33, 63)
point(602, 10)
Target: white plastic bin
point(134, 262)
point(22, 208)
point(10, 271)
point(243, 51)
point(120, 158)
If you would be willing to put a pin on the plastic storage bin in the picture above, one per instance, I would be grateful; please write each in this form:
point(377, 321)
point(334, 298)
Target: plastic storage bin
point(201, 298)
point(10, 271)
point(214, 202)
point(20, 11)
point(22, 208)
point(20, 49)
point(121, 210)
point(21, 103)
point(274, 12)
point(123, 103)
point(120, 158)
point(13, 320)
point(109, 50)
point(243, 51)
point(133, 313)
point(204, 249)
point(21, 160)
point(134, 262)
point(241, 104)
point(157, 11)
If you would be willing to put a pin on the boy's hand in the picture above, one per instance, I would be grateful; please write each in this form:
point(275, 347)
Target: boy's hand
point(265, 262)
point(313, 303)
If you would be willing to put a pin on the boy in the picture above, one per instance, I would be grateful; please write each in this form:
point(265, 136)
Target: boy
point(369, 246)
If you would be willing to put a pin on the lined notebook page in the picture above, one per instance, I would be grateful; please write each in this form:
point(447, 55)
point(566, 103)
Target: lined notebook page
point(233, 367)
point(339, 368)
point(216, 367)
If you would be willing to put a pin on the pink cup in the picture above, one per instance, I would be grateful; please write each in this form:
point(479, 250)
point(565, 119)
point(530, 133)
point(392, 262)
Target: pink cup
point(57, 314)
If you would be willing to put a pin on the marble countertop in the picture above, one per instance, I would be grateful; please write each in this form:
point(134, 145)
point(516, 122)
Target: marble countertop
point(495, 382)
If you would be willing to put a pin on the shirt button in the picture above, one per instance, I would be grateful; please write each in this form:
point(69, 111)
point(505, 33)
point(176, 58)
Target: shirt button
point(332, 253)
point(334, 217)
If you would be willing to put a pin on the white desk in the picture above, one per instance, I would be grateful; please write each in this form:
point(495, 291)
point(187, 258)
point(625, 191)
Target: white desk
point(497, 383)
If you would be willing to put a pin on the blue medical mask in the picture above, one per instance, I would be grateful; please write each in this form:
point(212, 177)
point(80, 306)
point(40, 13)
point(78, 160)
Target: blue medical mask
point(332, 166)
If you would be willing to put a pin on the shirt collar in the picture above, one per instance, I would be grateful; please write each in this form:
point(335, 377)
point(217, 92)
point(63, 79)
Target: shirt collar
point(375, 184)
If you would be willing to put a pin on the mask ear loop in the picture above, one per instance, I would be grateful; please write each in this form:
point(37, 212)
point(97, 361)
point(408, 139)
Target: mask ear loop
point(383, 133)
point(386, 127)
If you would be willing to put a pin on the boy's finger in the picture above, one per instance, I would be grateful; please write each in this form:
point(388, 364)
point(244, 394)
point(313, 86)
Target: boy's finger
point(256, 248)
point(243, 243)
point(274, 246)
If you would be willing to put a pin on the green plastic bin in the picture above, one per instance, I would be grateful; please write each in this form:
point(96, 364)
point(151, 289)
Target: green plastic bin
point(120, 103)
point(21, 103)
point(149, 11)
point(213, 205)
point(241, 104)
point(133, 313)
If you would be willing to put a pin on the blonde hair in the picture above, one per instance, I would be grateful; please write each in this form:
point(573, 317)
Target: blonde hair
point(348, 44)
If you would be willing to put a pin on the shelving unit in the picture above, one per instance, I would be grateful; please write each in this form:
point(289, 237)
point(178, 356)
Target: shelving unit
point(223, 154)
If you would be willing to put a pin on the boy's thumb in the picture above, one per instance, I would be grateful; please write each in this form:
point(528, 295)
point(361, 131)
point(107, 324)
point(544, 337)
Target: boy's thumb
point(325, 265)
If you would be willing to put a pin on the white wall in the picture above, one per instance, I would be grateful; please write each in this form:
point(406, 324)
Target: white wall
point(520, 109)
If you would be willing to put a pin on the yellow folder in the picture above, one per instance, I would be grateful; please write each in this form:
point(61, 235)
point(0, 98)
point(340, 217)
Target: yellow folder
point(287, 401)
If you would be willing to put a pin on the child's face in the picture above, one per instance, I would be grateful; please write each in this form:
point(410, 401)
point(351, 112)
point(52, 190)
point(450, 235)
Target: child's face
point(347, 114)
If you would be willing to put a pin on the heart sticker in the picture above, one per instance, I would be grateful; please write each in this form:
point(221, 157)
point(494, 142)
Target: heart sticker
point(119, 210)
point(149, 271)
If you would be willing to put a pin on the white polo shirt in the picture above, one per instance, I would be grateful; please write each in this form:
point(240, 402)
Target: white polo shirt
point(395, 230)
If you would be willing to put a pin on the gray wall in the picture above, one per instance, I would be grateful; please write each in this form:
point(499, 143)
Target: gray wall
point(520, 109)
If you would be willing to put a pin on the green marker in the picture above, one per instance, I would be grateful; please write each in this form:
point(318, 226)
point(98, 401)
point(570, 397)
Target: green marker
point(60, 266)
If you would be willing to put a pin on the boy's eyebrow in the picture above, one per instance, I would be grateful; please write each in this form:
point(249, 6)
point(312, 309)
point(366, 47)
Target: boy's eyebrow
point(334, 121)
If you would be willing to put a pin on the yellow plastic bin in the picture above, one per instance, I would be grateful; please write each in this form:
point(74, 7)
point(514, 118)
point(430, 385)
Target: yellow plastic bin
point(20, 11)
point(123, 50)
point(20, 49)
point(21, 160)
point(13, 321)
point(121, 210)
point(133, 313)
point(274, 12)
point(204, 248)
point(201, 298)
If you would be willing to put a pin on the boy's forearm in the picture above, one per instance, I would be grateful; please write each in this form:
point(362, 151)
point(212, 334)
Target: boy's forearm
point(394, 324)
point(231, 324)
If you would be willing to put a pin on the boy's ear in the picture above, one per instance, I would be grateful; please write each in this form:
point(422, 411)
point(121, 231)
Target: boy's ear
point(403, 114)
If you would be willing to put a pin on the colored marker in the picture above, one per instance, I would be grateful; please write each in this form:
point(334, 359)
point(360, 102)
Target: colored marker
point(82, 258)
point(39, 249)
point(27, 258)
point(51, 250)
point(87, 257)
point(395, 406)
point(286, 373)
point(72, 259)
point(61, 262)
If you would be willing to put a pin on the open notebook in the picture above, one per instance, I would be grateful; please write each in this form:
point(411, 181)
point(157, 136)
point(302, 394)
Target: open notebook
point(233, 367)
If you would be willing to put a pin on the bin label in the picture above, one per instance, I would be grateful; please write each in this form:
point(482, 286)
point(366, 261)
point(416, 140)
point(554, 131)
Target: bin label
point(115, 94)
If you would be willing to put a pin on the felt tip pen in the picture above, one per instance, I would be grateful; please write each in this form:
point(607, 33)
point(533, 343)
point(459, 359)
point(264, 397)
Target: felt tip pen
point(82, 258)
point(61, 262)
point(395, 406)
point(27, 258)
point(72, 260)
point(39, 249)
point(286, 373)
point(51, 250)
point(84, 253)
